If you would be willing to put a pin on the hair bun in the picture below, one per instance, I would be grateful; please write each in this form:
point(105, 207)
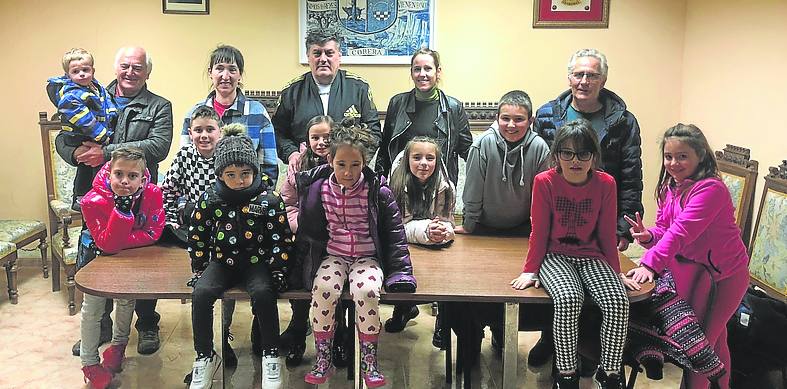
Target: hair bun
point(233, 129)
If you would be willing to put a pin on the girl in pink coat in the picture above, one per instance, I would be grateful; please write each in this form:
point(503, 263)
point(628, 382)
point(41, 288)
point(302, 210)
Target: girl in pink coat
point(695, 234)
point(312, 154)
point(123, 210)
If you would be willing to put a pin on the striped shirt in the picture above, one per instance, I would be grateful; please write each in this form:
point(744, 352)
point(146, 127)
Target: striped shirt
point(347, 211)
point(258, 125)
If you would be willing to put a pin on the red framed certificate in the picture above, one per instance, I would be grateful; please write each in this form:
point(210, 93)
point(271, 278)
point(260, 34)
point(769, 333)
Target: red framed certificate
point(570, 13)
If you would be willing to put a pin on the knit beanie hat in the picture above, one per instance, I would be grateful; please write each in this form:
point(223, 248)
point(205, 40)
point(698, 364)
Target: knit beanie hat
point(235, 148)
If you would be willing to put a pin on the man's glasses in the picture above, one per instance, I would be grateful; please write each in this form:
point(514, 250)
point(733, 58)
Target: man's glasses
point(568, 155)
point(578, 76)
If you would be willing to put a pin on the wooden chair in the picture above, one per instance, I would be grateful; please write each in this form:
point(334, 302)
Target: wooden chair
point(8, 260)
point(739, 173)
point(768, 247)
point(24, 232)
point(64, 223)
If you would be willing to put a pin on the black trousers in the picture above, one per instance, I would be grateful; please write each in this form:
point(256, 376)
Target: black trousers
point(147, 318)
point(216, 279)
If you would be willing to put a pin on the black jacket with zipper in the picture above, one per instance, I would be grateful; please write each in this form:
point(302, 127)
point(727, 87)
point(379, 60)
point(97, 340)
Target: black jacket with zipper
point(453, 131)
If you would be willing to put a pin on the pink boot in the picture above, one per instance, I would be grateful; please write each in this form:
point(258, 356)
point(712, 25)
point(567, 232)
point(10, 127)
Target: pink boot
point(323, 366)
point(113, 357)
point(371, 375)
point(97, 375)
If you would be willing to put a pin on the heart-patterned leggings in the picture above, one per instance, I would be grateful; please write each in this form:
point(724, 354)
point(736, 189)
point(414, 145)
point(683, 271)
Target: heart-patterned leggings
point(366, 279)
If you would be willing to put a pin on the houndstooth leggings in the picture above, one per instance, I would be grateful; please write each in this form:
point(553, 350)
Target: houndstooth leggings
point(566, 279)
point(366, 279)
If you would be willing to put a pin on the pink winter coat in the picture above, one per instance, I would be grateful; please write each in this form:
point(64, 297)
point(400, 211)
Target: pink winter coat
point(113, 230)
point(289, 192)
point(696, 221)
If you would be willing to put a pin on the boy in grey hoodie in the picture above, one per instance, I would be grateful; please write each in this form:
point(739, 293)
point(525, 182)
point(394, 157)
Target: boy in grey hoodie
point(500, 168)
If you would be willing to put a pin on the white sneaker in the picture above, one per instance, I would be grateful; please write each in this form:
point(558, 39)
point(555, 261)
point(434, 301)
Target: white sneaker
point(271, 372)
point(203, 371)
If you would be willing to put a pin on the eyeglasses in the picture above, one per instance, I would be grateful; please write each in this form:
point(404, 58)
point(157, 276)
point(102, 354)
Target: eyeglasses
point(578, 76)
point(568, 155)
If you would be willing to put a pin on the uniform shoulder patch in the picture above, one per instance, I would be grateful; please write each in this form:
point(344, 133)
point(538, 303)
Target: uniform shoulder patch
point(293, 81)
point(354, 76)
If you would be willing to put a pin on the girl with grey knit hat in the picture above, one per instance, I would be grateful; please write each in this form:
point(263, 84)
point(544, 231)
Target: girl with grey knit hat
point(239, 235)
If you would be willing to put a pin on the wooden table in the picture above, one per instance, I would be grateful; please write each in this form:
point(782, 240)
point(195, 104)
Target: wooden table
point(473, 269)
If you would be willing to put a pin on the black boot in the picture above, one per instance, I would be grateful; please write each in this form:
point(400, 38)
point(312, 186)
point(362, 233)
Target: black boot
point(148, 330)
point(439, 338)
point(342, 344)
point(587, 367)
point(543, 349)
point(566, 382)
point(293, 339)
point(401, 315)
point(604, 381)
point(230, 359)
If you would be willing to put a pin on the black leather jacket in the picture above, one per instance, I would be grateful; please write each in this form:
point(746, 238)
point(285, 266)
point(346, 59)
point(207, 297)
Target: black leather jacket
point(453, 131)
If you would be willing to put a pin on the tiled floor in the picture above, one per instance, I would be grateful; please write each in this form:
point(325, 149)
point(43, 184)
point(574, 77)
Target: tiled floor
point(36, 337)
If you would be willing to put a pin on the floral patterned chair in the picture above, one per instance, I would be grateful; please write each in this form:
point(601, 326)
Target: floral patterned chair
point(25, 232)
point(8, 260)
point(59, 187)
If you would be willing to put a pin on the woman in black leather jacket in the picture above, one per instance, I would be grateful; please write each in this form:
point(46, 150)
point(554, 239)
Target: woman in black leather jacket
point(425, 111)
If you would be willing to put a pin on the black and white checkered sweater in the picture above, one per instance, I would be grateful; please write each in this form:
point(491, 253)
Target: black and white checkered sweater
point(188, 177)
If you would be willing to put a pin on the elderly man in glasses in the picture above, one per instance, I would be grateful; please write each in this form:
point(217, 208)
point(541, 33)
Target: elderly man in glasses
point(618, 133)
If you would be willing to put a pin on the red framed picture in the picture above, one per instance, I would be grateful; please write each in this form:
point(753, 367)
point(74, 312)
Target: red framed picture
point(570, 13)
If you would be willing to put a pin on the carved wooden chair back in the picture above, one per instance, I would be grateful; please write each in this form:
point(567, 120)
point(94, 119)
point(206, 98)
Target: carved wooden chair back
point(739, 173)
point(768, 247)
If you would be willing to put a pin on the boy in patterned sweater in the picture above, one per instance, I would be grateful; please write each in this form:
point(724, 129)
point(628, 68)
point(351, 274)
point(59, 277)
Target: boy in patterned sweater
point(239, 235)
point(191, 172)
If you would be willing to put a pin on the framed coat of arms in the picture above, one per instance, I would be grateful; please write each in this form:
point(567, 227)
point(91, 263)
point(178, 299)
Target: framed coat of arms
point(371, 31)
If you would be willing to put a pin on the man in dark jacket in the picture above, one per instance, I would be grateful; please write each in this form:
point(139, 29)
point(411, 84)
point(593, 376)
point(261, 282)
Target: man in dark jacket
point(324, 90)
point(144, 121)
point(618, 133)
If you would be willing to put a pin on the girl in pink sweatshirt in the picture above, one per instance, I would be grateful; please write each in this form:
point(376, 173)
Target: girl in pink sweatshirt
point(695, 233)
point(312, 154)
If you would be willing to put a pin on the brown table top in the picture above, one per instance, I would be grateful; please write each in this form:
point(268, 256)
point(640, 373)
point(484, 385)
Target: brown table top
point(473, 269)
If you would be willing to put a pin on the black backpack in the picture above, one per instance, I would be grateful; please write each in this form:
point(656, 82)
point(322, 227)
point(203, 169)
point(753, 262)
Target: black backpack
point(757, 337)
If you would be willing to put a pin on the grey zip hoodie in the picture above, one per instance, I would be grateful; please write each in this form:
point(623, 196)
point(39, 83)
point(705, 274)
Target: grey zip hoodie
point(499, 180)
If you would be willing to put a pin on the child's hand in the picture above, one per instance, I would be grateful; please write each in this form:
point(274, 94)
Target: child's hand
point(629, 283)
point(123, 203)
point(638, 230)
point(436, 231)
point(641, 274)
point(459, 230)
point(525, 280)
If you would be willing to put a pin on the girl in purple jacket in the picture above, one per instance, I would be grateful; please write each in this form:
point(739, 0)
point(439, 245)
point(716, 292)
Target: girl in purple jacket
point(695, 232)
point(354, 232)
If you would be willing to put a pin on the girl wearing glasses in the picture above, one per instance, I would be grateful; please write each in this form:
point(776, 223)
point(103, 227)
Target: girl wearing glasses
point(573, 249)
